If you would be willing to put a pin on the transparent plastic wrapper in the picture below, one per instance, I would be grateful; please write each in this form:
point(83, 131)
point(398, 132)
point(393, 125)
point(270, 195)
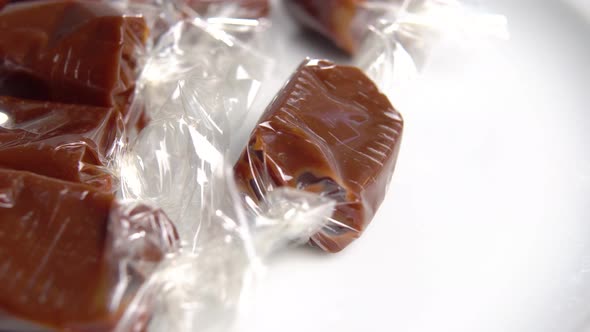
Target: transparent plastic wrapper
point(239, 9)
point(344, 22)
point(205, 286)
point(179, 163)
point(159, 15)
point(403, 43)
point(418, 23)
point(204, 55)
point(245, 19)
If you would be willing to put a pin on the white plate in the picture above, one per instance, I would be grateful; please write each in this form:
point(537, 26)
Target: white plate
point(487, 223)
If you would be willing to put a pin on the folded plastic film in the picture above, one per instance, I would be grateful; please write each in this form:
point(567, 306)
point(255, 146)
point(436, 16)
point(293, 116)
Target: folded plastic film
point(159, 15)
point(195, 50)
point(399, 44)
point(179, 163)
point(205, 287)
point(164, 167)
point(200, 80)
point(237, 9)
point(244, 19)
point(139, 238)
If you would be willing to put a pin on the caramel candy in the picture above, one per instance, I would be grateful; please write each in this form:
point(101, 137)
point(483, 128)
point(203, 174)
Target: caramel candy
point(250, 9)
point(52, 240)
point(64, 141)
point(71, 52)
point(57, 266)
point(329, 131)
point(334, 19)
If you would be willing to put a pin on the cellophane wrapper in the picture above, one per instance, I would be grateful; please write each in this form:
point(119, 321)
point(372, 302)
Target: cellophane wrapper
point(179, 248)
point(107, 226)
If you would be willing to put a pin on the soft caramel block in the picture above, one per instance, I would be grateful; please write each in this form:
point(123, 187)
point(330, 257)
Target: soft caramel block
point(52, 240)
point(79, 52)
point(328, 131)
point(68, 142)
point(59, 258)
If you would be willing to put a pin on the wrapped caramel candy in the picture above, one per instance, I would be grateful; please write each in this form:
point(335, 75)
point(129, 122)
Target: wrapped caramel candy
point(68, 142)
point(329, 131)
point(59, 267)
point(72, 52)
point(52, 244)
point(332, 18)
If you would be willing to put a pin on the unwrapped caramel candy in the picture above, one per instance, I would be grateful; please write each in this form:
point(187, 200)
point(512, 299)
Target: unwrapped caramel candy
point(68, 142)
point(78, 52)
point(329, 131)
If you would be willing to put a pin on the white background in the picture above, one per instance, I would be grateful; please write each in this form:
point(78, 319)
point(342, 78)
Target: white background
point(487, 223)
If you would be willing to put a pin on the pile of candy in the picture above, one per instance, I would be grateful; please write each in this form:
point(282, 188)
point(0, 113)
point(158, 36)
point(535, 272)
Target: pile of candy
point(120, 207)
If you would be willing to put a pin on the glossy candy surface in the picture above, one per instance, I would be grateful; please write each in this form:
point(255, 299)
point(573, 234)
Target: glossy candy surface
point(329, 131)
point(59, 252)
point(52, 242)
point(71, 52)
point(68, 142)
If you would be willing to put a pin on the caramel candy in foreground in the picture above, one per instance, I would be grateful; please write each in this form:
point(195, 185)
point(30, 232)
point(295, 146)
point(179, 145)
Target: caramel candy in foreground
point(329, 131)
point(52, 242)
point(58, 264)
point(334, 19)
point(71, 52)
point(63, 141)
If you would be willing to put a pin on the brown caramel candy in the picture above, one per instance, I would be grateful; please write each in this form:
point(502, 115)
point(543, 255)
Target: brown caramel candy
point(52, 240)
point(63, 141)
point(57, 264)
point(71, 52)
point(329, 131)
point(334, 19)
